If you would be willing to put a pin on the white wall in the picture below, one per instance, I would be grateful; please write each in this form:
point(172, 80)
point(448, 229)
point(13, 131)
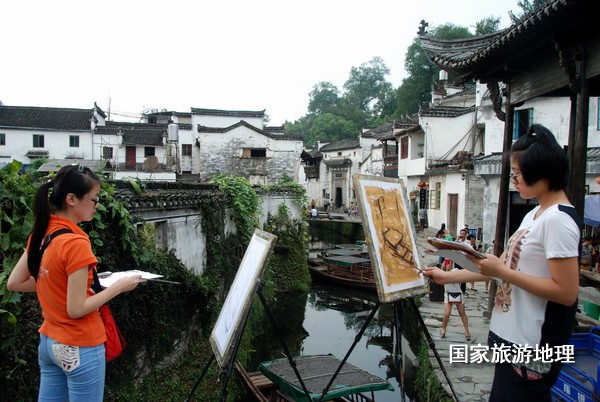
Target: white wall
point(20, 141)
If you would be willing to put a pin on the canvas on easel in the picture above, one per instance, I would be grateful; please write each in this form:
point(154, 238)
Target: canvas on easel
point(390, 237)
point(230, 323)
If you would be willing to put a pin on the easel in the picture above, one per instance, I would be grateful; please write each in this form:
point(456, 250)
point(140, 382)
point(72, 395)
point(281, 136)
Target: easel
point(227, 371)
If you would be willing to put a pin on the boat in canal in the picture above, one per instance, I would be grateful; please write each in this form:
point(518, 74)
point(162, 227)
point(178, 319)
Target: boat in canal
point(277, 381)
point(342, 266)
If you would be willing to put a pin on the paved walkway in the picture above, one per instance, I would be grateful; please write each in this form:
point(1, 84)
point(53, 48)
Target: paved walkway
point(471, 381)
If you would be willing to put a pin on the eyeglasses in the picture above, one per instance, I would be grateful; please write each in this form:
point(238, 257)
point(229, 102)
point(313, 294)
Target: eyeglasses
point(513, 177)
point(96, 201)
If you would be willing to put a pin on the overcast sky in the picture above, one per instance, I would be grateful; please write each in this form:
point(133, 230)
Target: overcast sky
point(235, 55)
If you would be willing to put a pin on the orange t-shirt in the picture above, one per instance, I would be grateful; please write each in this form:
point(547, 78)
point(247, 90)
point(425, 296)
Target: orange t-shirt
point(64, 255)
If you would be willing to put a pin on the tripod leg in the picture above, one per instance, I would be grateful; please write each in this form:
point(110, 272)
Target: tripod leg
point(206, 366)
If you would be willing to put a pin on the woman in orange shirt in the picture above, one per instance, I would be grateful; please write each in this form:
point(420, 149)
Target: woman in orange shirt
point(72, 336)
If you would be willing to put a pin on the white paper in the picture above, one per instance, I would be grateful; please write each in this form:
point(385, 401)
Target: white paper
point(461, 259)
point(458, 257)
point(107, 281)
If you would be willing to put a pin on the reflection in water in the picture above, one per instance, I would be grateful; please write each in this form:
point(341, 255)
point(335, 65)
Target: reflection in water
point(327, 320)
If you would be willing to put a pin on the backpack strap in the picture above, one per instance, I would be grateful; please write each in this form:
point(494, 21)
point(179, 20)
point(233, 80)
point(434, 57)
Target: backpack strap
point(51, 236)
point(96, 284)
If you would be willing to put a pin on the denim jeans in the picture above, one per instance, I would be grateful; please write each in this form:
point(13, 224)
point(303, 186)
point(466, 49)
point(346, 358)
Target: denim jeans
point(70, 373)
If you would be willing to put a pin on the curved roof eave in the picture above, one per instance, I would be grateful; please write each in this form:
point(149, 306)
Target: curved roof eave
point(479, 56)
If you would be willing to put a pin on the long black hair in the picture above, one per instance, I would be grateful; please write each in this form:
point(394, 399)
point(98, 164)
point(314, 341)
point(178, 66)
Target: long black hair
point(73, 179)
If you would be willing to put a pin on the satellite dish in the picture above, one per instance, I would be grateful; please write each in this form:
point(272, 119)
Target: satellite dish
point(150, 164)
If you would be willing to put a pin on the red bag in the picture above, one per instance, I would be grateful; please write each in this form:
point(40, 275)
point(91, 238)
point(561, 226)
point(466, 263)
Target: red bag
point(114, 339)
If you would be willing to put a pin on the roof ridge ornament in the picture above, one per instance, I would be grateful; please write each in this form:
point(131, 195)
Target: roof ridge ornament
point(423, 28)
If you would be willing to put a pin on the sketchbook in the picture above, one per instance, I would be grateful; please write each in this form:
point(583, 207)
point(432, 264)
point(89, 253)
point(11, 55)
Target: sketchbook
point(456, 252)
point(108, 278)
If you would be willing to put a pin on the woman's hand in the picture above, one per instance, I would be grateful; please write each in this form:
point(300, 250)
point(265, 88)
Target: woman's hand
point(491, 266)
point(437, 275)
point(128, 283)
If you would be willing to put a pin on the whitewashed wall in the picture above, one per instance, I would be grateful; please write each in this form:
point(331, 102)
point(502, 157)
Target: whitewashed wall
point(20, 141)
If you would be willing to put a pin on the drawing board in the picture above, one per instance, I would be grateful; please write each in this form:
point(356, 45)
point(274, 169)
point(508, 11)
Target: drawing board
point(390, 237)
point(232, 317)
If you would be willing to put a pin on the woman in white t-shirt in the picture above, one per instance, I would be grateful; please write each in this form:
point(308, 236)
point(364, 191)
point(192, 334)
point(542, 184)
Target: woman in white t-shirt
point(538, 273)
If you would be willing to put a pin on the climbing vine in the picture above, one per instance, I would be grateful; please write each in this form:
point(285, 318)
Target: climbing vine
point(154, 316)
point(244, 202)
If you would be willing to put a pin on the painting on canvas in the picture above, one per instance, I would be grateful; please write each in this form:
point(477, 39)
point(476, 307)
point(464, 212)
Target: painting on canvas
point(390, 236)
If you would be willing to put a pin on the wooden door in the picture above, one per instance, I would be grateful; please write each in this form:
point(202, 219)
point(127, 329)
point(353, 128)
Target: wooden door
point(452, 213)
point(130, 157)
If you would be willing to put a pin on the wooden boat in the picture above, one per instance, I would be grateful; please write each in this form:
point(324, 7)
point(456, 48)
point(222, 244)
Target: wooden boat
point(277, 381)
point(346, 270)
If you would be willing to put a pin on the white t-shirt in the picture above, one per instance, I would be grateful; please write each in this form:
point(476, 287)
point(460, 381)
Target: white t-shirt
point(518, 316)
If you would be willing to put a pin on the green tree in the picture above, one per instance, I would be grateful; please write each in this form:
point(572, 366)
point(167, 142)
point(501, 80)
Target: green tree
point(324, 98)
point(487, 25)
point(415, 90)
point(530, 5)
point(329, 127)
point(366, 88)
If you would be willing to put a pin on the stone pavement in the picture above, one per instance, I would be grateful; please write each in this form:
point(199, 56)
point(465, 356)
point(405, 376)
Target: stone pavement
point(471, 381)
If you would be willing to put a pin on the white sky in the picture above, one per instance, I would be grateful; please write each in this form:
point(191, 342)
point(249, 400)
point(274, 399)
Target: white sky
point(218, 54)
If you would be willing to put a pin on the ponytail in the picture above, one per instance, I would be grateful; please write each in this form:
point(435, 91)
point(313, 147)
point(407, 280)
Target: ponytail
point(72, 179)
point(41, 214)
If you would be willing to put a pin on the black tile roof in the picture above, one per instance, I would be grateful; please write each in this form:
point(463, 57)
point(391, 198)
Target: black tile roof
point(338, 163)
point(166, 195)
point(311, 154)
point(340, 145)
point(46, 118)
point(592, 155)
point(445, 111)
point(168, 113)
point(471, 58)
point(409, 130)
point(135, 133)
point(228, 113)
point(270, 134)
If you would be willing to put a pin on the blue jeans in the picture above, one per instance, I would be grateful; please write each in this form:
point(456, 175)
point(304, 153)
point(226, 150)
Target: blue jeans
point(70, 373)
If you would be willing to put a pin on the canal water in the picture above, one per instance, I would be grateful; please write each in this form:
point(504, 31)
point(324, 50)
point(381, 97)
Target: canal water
point(327, 319)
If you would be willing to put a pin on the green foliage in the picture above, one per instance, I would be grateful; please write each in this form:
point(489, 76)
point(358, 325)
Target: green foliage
point(244, 203)
point(287, 185)
point(426, 383)
point(156, 319)
point(529, 6)
point(366, 87)
point(487, 25)
point(16, 221)
point(288, 269)
point(415, 90)
point(115, 240)
point(329, 127)
point(324, 98)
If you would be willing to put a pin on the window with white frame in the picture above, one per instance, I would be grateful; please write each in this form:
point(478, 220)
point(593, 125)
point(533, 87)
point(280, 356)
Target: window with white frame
point(2, 139)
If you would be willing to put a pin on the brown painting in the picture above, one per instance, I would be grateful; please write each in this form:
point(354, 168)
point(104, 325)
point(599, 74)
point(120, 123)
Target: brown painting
point(390, 237)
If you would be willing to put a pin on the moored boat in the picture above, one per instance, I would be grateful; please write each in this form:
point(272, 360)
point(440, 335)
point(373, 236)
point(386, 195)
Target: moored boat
point(347, 270)
point(278, 382)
